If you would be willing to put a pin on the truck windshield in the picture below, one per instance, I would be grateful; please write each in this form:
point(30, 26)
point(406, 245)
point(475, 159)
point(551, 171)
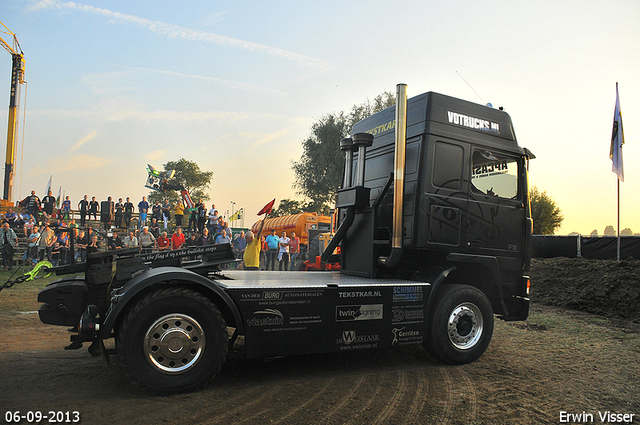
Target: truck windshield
point(494, 175)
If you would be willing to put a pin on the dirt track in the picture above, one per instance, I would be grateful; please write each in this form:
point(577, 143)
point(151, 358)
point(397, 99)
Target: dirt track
point(559, 360)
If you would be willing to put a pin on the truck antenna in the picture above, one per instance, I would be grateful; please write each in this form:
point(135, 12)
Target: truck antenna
point(471, 88)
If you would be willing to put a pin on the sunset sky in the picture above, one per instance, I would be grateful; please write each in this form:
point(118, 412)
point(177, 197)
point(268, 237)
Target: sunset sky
point(236, 85)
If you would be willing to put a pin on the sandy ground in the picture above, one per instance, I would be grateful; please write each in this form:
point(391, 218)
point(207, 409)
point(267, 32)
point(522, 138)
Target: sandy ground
point(559, 360)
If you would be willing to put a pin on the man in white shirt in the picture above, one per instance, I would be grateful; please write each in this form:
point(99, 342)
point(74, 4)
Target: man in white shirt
point(283, 252)
point(213, 220)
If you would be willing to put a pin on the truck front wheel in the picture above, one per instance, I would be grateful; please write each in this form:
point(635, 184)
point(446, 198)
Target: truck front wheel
point(461, 325)
point(172, 340)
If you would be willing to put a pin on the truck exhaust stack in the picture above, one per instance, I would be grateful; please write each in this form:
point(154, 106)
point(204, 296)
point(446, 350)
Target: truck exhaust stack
point(398, 179)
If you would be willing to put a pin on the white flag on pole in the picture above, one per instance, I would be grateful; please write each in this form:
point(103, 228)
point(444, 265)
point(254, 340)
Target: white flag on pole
point(617, 140)
point(46, 191)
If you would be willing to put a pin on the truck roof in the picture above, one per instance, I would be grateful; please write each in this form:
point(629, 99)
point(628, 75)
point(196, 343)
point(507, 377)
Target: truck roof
point(444, 116)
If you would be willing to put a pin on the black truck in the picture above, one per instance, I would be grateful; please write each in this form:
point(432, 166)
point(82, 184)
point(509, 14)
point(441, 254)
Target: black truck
point(434, 226)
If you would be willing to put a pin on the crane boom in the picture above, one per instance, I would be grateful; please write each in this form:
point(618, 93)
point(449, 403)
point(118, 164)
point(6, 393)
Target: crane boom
point(17, 78)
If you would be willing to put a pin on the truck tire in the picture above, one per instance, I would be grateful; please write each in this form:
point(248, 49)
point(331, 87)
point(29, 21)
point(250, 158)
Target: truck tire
point(461, 325)
point(173, 340)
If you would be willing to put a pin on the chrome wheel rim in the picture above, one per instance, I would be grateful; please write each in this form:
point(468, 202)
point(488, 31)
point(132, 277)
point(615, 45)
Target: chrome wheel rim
point(174, 343)
point(465, 326)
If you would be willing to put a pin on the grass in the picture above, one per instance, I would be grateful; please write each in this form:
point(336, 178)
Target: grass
point(22, 296)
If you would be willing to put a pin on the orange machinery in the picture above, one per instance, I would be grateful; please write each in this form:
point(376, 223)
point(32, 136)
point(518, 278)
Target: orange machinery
point(300, 223)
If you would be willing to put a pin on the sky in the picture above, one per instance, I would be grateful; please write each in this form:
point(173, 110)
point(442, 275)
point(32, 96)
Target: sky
point(236, 85)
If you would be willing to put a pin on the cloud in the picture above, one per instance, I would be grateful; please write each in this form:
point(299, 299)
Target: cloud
point(227, 83)
point(174, 31)
point(84, 140)
point(261, 138)
point(71, 163)
point(155, 155)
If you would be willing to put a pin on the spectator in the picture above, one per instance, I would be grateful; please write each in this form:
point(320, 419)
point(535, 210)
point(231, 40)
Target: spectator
point(164, 243)
point(9, 242)
point(239, 245)
point(32, 248)
point(119, 213)
point(83, 206)
point(219, 226)
point(283, 254)
point(205, 239)
point(166, 212)
point(63, 247)
point(22, 218)
point(107, 213)
point(147, 240)
point(223, 238)
point(225, 226)
point(193, 218)
point(66, 208)
point(114, 242)
point(272, 245)
point(81, 245)
point(55, 254)
point(191, 240)
point(93, 208)
point(178, 212)
point(156, 211)
point(128, 212)
point(294, 249)
point(48, 202)
point(177, 239)
point(131, 241)
point(154, 228)
point(202, 216)
point(143, 208)
point(10, 217)
point(263, 251)
point(251, 258)
point(32, 203)
point(94, 245)
point(213, 220)
point(47, 238)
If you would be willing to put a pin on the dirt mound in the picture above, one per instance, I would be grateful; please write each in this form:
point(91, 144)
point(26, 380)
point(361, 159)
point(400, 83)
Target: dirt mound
point(605, 287)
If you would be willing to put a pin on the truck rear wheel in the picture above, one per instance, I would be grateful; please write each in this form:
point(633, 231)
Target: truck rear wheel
point(172, 340)
point(461, 325)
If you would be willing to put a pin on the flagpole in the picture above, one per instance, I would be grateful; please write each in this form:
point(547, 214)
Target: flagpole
point(618, 250)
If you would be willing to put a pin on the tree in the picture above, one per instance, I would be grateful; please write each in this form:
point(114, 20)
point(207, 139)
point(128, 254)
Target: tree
point(318, 173)
point(626, 232)
point(290, 207)
point(594, 233)
point(546, 215)
point(287, 207)
point(188, 175)
point(610, 231)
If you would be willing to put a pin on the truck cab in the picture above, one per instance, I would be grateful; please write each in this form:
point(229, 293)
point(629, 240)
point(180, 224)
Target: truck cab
point(465, 202)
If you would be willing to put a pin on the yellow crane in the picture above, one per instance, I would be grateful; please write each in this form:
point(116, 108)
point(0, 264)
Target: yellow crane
point(17, 78)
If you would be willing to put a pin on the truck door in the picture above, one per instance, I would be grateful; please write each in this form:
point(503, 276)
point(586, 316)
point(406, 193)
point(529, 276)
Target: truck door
point(496, 215)
point(445, 199)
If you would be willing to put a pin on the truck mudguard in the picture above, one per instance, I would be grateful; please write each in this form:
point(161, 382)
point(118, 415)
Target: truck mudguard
point(166, 275)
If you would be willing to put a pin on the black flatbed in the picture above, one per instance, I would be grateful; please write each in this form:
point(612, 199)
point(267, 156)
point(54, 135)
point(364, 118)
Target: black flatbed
point(244, 279)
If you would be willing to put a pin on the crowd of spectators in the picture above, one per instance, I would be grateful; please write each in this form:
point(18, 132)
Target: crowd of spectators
point(48, 227)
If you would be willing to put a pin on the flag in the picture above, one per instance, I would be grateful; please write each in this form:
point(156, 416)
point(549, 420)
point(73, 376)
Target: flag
point(46, 191)
point(235, 216)
point(617, 140)
point(267, 208)
point(186, 198)
point(58, 198)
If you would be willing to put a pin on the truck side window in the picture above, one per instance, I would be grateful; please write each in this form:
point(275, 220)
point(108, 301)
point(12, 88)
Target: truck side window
point(494, 175)
point(447, 166)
